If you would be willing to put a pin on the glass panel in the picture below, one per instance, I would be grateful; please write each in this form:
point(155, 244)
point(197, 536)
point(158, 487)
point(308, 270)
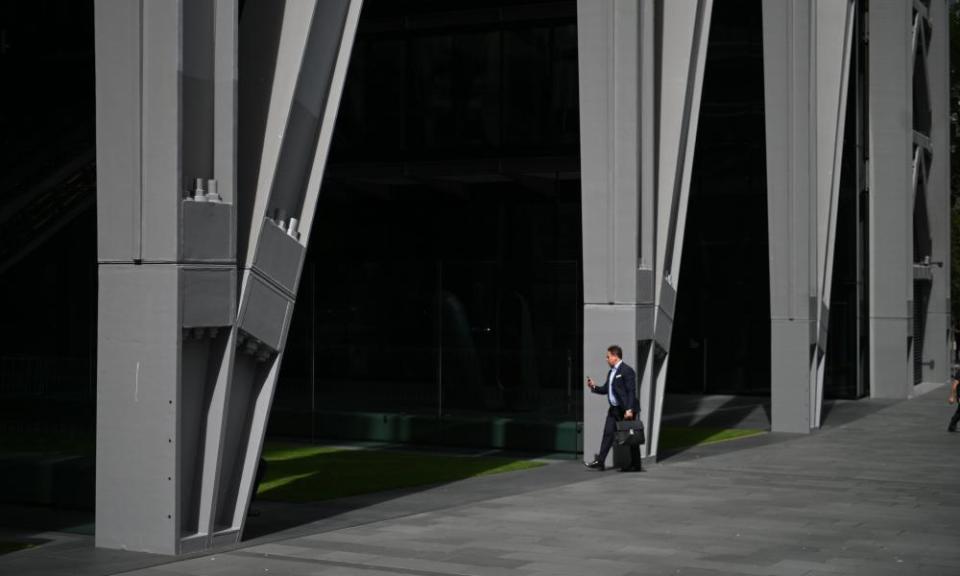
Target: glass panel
point(441, 299)
point(721, 340)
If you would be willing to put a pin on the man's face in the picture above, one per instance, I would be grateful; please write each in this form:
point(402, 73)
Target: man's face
point(612, 359)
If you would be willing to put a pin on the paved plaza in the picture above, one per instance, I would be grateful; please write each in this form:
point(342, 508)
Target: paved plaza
point(874, 492)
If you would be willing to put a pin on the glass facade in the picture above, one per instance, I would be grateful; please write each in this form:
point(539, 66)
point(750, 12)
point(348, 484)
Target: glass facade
point(721, 340)
point(441, 298)
point(48, 243)
point(721, 343)
point(847, 369)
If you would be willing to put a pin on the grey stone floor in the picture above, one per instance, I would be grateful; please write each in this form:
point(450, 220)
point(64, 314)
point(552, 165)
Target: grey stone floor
point(877, 491)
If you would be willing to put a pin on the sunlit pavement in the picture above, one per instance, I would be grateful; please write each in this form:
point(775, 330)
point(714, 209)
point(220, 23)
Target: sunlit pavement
point(874, 492)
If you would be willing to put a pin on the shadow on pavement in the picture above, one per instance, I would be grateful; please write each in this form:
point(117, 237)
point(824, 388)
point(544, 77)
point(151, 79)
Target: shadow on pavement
point(839, 412)
point(317, 486)
point(694, 419)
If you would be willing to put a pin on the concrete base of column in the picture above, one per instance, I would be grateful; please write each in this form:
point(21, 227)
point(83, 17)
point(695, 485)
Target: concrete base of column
point(936, 348)
point(604, 325)
point(890, 364)
point(138, 351)
point(790, 376)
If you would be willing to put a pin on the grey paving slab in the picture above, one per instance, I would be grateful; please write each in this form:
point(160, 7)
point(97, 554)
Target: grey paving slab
point(872, 494)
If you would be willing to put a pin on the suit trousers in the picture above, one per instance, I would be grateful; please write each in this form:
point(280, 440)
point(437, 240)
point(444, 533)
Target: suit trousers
point(614, 415)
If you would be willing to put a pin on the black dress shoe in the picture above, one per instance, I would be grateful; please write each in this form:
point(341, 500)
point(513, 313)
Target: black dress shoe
point(596, 465)
point(951, 428)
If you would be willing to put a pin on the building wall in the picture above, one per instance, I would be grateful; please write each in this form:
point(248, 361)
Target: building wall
point(196, 300)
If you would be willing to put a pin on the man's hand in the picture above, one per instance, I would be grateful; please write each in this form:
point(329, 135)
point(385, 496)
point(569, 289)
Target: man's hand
point(628, 415)
point(952, 399)
point(590, 383)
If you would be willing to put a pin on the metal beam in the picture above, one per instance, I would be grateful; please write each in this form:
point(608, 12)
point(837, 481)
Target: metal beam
point(807, 51)
point(641, 74)
point(186, 369)
point(685, 29)
point(890, 211)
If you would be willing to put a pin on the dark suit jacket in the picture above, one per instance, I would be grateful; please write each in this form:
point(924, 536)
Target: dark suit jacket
point(624, 389)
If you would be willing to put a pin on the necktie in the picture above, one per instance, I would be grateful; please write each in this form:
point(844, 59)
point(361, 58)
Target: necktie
point(610, 396)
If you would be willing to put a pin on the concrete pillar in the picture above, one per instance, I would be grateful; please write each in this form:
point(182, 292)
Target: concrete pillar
point(167, 273)
point(890, 210)
point(641, 72)
point(684, 29)
point(610, 125)
point(186, 367)
point(787, 28)
point(807, 49)
point(936, 340)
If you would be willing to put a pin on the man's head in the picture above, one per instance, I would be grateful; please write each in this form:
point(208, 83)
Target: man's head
point(614, 354)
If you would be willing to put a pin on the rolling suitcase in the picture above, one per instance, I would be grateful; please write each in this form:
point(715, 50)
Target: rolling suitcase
point(621, 455)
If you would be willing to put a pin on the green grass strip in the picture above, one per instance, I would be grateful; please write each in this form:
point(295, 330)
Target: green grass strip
point(307, 473)
point(672, 438)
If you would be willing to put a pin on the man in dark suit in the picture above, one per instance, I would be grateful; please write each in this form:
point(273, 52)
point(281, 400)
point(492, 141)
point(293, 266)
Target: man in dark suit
point(621, 392)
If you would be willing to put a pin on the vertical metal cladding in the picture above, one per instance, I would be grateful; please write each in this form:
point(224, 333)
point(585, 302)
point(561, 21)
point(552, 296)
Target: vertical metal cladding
point(190, 338)
point(909, 239)
point(641, 76)
point(205, 209)
point(641, 64)
point(807, 51)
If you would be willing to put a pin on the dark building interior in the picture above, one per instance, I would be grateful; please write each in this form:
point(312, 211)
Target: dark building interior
point(442, 292)
point(48, 252)
point(721, 340)
point(443, 277)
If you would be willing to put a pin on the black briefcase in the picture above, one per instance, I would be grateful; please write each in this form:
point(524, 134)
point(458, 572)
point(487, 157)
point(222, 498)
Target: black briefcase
point(630, 432)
